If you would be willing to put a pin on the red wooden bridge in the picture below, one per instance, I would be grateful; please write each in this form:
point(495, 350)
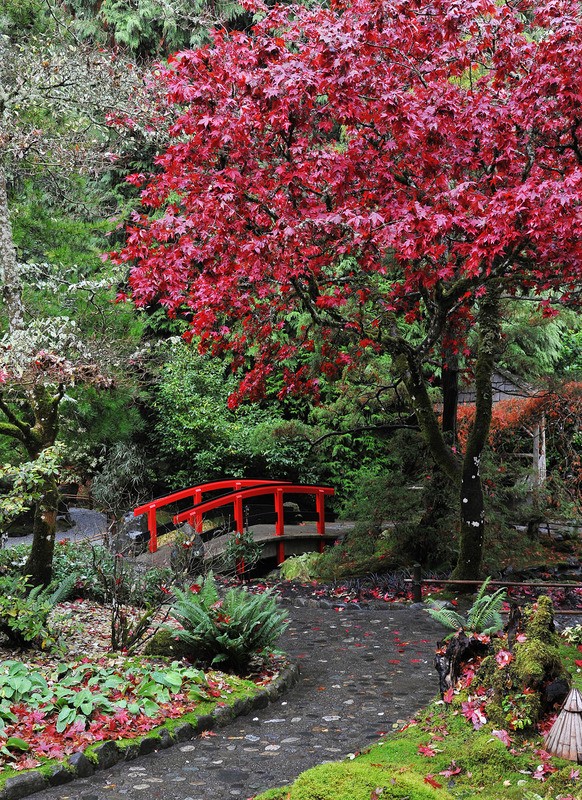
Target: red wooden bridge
point(233, 493)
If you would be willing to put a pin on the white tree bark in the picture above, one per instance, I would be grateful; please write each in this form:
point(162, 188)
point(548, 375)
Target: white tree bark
point(9, 275)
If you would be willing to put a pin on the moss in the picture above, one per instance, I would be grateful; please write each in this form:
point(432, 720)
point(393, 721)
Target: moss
point(357, 781)
point(540, 621)
point(536, 662)
point(164, 643)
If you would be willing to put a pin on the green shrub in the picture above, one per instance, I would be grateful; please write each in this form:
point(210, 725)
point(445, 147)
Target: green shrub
point(24, 612)
point(228, 632)
point(300, 568)
point(573, 634)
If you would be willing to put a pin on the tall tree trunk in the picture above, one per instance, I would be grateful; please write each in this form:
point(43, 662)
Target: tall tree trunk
point(43, 434)
point(471, 535)
point(450, 386)
point(11, 284)
point(39, 565)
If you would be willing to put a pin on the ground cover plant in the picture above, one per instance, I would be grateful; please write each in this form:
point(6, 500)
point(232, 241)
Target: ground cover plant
point(483, 738)
point(65, 684)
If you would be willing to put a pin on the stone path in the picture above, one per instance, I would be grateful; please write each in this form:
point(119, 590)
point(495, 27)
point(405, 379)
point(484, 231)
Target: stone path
point(362, 672)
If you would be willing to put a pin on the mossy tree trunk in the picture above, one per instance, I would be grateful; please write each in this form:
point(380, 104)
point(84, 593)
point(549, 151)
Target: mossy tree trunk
point(471, 535)
point(463, 473)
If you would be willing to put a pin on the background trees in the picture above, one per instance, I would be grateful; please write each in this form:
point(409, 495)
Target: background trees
point(369, 182)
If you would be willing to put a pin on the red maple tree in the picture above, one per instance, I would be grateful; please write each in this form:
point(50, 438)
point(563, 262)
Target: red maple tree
point(369, 178)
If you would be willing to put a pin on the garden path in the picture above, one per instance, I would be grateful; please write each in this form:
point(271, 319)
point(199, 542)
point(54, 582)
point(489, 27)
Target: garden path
point(362, 672)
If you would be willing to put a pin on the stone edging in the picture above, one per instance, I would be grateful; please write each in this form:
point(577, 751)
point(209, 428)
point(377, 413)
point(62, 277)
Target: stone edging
point(341, 605)
point(107, 754)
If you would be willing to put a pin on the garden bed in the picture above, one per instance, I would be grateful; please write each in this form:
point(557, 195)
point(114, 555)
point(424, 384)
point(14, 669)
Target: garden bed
point(56, 704)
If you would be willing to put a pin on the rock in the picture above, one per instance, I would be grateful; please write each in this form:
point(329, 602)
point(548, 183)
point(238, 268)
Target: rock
point(149, 745)
point(184, 732)
point(166, 739)
point(107, 755)
point(81, 765)
point(223, 715)
point(60, 775)
point(23, 785)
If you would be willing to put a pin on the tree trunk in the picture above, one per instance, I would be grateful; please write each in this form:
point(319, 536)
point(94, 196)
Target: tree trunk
point(43, 434)
point(472, 507)
point(40, 561)
point(450, 386)
point(11, 284)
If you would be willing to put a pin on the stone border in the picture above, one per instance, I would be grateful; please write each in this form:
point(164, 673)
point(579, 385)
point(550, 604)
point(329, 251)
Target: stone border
point(107, 754)
point(342, 605)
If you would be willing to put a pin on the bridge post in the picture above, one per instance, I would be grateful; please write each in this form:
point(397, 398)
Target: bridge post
point(320, 507)
point(239, 522)
point(280, 525)
point(152, 528)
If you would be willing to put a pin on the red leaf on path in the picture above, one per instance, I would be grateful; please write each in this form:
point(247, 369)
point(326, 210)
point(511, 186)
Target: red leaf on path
point(394, 661)
point(434, 783)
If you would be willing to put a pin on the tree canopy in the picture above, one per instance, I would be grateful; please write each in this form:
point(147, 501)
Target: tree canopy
point(369, 178)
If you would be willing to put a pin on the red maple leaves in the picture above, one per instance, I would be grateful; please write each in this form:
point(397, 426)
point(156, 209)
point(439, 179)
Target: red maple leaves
point(355, 166)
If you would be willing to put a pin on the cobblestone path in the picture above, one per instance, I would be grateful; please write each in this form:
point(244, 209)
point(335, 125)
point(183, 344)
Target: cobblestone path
point(362, 671)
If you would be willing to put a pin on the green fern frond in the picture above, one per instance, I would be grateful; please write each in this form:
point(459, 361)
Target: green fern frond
point(485, 614)
point(447, 617)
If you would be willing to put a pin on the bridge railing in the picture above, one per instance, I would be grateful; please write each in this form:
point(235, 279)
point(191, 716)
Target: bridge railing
point(240, 490)
point(195, 493)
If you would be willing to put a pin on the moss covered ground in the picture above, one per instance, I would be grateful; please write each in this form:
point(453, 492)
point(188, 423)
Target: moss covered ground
point(440, 755)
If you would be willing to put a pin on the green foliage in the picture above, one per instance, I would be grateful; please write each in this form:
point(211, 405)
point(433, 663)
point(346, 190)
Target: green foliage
point(573, 634)
point(24, 612)
point(21, 17)
point(228, 632)
point(28, 481)
point(535, 345)
point(94, 422)
point(300, 568)
point(149, 28)
point(196, 428)
point(122, 482)
point(484, 616)
point(242, 552)
point(81, 691)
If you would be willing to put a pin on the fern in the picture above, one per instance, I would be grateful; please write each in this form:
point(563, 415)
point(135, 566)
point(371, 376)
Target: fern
point(484, 616)
point(228, 632)
point(447, 617)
